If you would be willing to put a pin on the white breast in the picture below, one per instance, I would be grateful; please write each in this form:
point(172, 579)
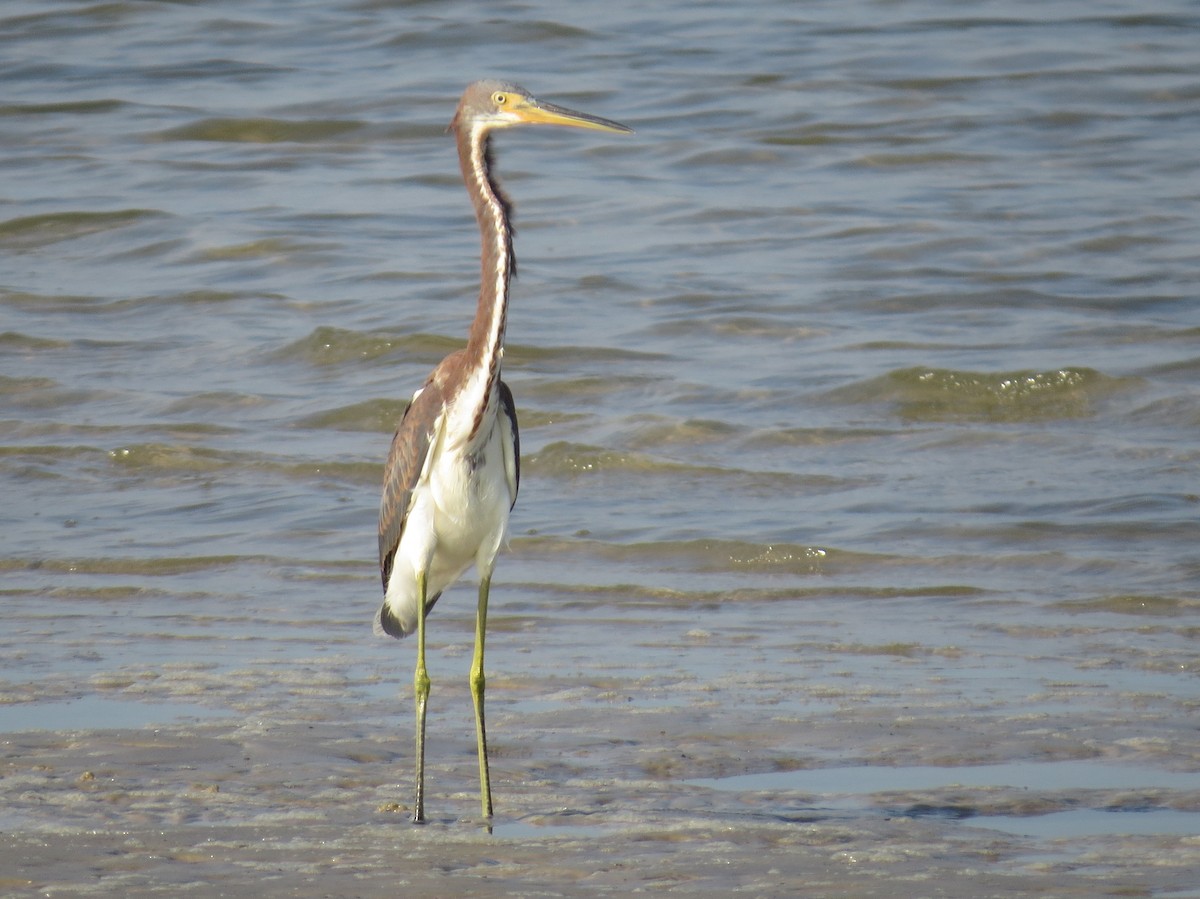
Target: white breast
point(459, 515)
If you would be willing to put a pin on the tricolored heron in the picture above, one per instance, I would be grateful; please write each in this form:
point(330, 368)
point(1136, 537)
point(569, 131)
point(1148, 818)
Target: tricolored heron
point(452, 473)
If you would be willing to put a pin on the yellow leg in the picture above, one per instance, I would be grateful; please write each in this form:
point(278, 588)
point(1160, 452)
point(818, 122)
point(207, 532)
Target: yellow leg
point(421, 691)
point(477, 688)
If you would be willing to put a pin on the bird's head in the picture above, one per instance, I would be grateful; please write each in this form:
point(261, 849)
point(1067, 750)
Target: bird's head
point(496, 104)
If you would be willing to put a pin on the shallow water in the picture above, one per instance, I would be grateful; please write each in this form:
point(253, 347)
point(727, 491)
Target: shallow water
point(857, 538)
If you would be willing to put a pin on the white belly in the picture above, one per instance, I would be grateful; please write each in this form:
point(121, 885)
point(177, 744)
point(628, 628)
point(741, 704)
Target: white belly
point(459, 518)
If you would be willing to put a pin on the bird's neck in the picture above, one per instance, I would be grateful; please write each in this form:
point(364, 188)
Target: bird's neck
point(485, 343)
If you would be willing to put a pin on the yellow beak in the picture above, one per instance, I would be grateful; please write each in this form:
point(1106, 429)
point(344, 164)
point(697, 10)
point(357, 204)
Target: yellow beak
point(535, 112)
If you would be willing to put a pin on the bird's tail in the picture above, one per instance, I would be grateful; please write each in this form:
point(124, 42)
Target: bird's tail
point(389, 624)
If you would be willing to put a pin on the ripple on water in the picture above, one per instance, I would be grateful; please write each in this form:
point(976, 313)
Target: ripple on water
point(35, 231)
point(569, 460)
point(262, 130)
point(931, 394)
point(337, 346)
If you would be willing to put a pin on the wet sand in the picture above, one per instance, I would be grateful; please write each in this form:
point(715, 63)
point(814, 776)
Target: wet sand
point(737, 778)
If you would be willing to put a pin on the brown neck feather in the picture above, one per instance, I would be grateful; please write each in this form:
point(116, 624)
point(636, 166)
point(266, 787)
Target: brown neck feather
point(485, 343)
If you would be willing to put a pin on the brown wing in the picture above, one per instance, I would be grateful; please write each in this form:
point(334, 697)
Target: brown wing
point(406, 460)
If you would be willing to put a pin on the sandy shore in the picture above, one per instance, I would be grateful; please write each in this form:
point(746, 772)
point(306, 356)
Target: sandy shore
point(704, 788)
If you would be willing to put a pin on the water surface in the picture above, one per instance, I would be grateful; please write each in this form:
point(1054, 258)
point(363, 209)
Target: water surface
point(859, 424)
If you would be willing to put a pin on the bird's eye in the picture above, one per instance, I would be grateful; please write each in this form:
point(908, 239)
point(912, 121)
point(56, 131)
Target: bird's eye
point(500, 99)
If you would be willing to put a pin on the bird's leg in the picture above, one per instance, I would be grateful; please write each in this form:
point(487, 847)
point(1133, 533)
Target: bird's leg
point(477, 687)
point(421, 691)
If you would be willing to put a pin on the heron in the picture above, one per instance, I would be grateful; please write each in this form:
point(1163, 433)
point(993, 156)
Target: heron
point(454, 466)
